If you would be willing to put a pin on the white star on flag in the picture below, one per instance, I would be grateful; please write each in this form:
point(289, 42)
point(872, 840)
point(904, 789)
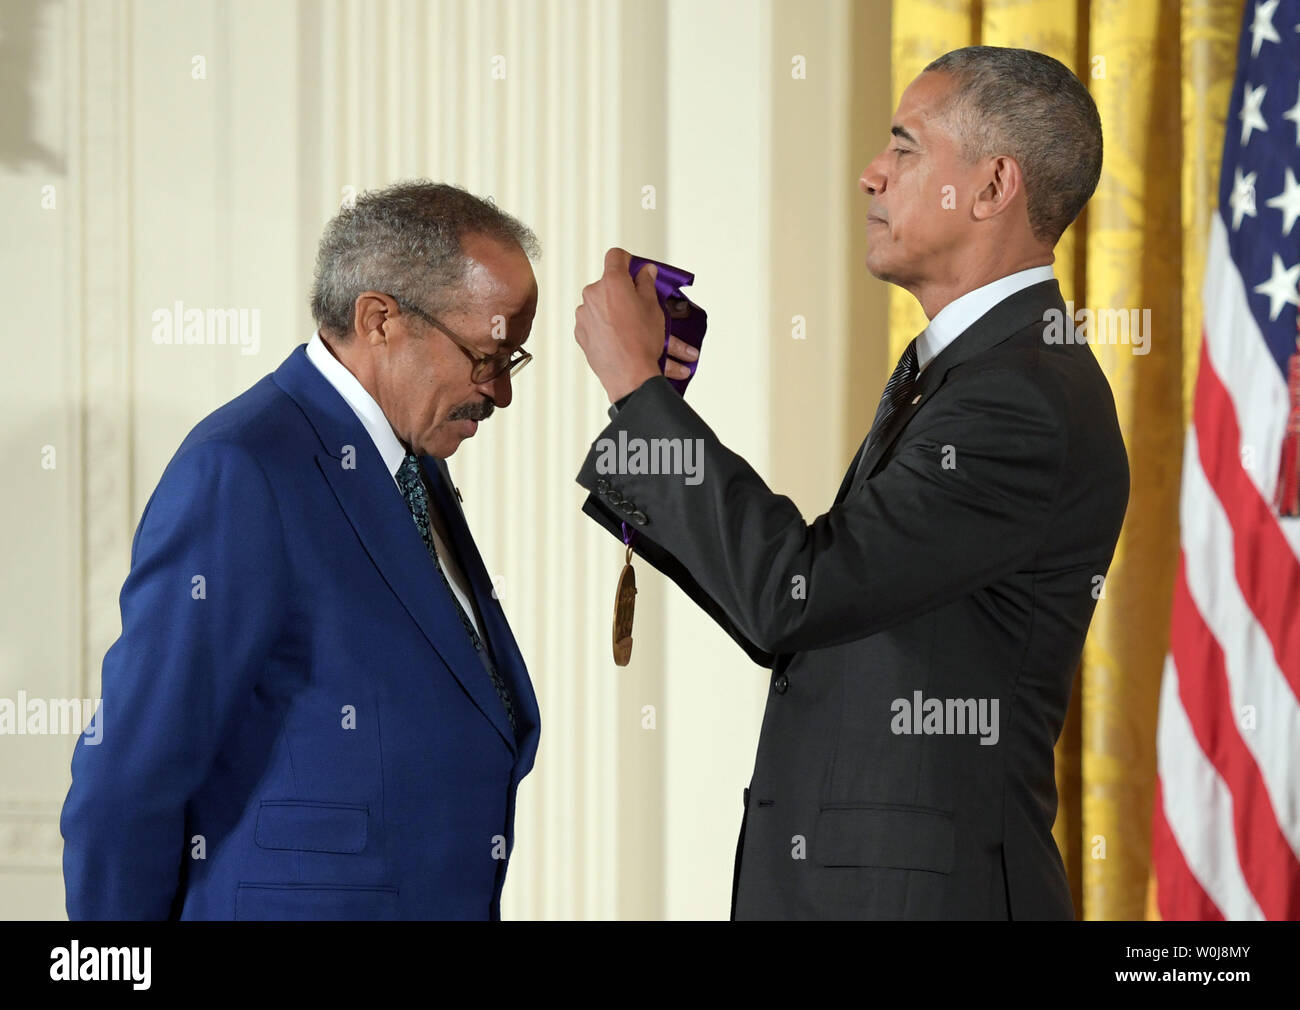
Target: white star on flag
point(1251, 116)
point(1262, 29)
point(1288, 202)
point(1293, 113)
point(1242, 200)
point(1281, 287)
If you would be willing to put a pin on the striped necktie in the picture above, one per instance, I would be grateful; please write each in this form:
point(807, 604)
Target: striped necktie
point(898, 390)
point(410, 478)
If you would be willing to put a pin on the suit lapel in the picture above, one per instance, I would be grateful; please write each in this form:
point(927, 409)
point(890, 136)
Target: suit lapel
point(882, 440)
point(850, 477)
point(1009, 316)
point(374, 507)
point(852, 471)
point(500, 639)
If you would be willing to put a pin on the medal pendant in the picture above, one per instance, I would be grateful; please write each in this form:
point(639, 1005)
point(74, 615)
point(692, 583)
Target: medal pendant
point(624, 608)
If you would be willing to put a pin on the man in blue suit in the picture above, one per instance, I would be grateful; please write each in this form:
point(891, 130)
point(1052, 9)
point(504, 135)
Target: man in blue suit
point(316, 708)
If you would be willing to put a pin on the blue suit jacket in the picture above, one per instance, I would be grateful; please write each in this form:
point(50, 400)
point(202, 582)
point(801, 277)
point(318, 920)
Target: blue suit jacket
point(295, 724)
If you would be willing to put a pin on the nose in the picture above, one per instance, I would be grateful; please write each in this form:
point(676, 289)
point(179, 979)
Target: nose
point(872, 179)
point(497, 390)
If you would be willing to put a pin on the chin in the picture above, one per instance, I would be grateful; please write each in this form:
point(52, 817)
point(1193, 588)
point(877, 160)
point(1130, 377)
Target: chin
point(442, 449)
point(877, 269)
point(890, 271)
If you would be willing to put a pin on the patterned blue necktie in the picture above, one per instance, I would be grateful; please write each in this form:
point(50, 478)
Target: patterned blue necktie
point(410, 480)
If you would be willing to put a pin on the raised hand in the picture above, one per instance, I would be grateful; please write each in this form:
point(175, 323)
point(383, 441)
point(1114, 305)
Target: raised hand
point(620, 328)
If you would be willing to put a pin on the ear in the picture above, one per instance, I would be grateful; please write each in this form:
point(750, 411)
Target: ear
point(1004, 183)
point(371, 311)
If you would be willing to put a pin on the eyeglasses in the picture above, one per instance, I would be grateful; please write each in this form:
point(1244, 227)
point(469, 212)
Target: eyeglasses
point(486, 367)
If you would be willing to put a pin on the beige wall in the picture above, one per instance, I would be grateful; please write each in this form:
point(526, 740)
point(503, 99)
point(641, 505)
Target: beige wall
point(212, 190)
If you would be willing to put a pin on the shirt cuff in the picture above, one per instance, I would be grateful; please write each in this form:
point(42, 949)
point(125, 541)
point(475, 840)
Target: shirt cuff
point(621, 402)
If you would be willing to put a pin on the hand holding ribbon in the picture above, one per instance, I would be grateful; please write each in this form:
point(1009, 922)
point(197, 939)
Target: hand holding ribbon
point(633, 324)
point(624, 331)
point(684, 321)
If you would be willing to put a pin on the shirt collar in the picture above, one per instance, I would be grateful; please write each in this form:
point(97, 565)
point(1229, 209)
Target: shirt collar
point(957, 316)
point(362, 403)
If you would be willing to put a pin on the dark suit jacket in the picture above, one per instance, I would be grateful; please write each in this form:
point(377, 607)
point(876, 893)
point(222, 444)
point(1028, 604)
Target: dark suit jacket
point(318, 714)
point(961, 561)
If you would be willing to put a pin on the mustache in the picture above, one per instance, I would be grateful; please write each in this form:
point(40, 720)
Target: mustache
point(479, 410)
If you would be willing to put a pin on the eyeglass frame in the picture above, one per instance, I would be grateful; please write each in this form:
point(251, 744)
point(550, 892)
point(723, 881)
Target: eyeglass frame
point(512, 367)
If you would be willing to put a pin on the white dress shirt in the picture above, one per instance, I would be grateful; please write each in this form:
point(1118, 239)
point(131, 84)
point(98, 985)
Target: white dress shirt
point(956, 317)
point(381, 433)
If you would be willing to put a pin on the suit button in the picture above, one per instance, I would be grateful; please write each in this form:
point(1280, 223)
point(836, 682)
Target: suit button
point(602, 486)
point(615, 498)
point(781, 684)
point(639, 518)
point(626, 507)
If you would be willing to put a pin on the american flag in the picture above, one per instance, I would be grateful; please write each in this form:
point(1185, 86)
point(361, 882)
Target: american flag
point(1226, 829)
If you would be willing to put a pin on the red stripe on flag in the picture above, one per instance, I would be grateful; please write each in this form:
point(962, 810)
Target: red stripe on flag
point(1267, 861)
point(1266, 567)
point(1179, 894)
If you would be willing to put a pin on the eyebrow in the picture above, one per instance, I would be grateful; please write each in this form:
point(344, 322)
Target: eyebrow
point(901, 131)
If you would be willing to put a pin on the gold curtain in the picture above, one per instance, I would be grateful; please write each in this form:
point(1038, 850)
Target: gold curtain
point(1161, 74)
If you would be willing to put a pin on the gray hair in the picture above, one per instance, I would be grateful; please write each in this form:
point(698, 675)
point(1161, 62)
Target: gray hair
point(1029, 106)
point(404, 240)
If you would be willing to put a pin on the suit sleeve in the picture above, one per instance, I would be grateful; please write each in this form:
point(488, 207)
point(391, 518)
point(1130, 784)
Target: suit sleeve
point(966, 497)
point(201, 611)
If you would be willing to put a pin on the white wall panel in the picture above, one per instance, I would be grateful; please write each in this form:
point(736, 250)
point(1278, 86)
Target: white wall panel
point(212, 190)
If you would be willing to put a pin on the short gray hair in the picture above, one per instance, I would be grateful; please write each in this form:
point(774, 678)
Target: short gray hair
point(404, 240)
point(1030, 106)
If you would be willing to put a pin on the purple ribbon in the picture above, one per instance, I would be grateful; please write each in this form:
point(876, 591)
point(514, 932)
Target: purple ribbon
point(683, 319)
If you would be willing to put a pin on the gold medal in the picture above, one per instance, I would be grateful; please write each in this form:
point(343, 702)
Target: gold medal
point(624, 607)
